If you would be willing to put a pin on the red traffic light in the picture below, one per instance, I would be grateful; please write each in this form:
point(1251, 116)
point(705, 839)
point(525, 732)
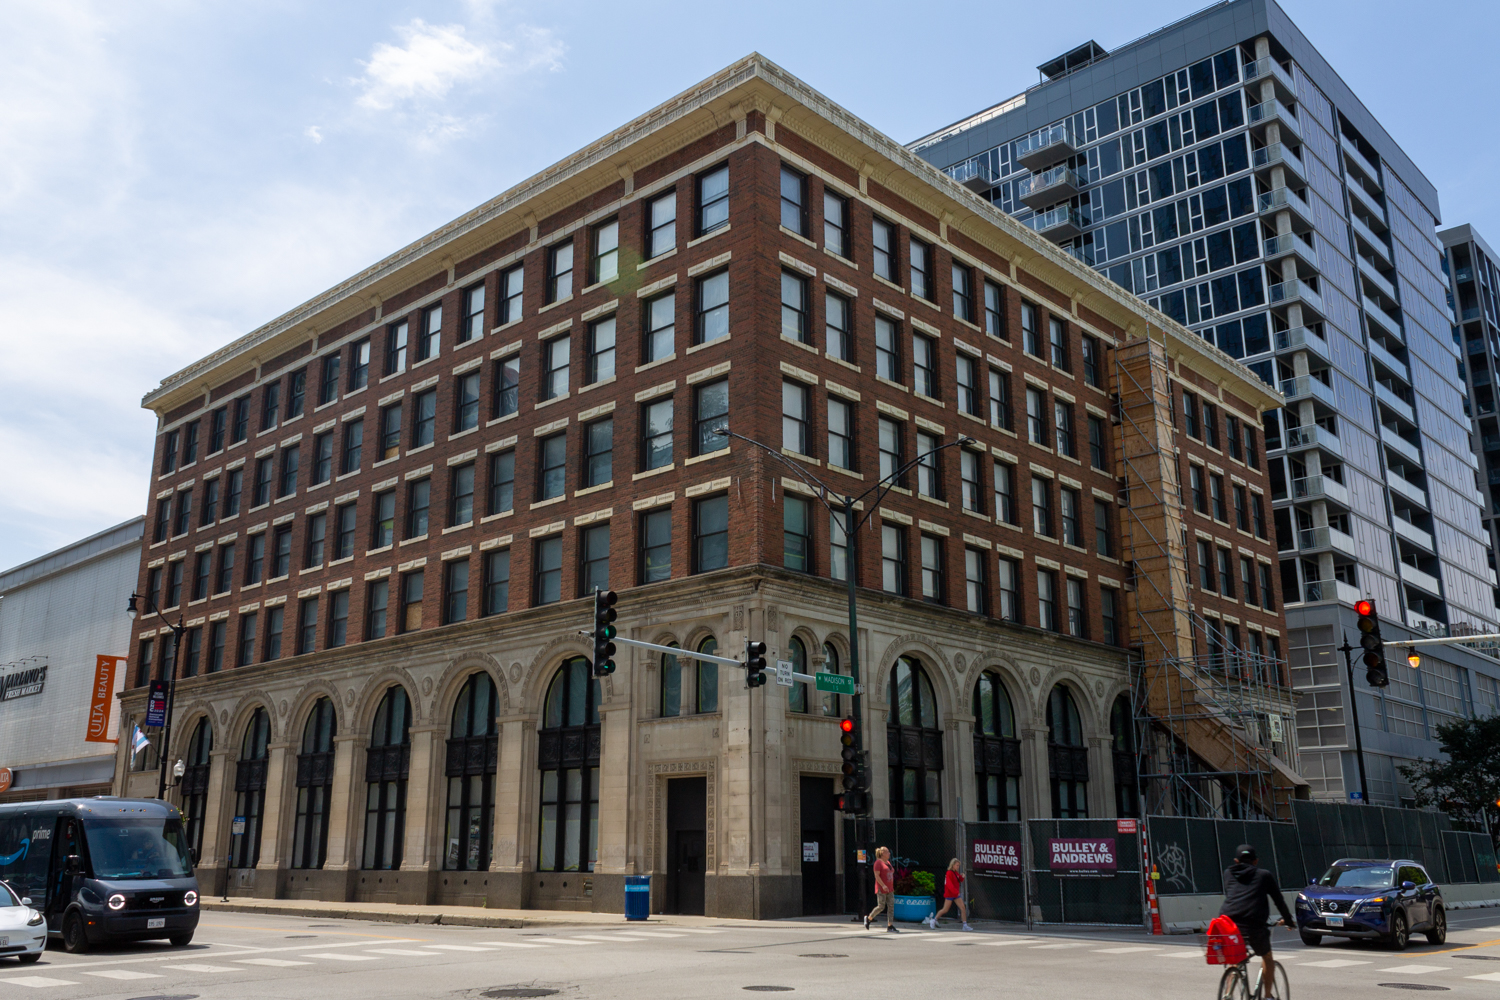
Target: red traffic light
point(847, 725)
point(1364, 608)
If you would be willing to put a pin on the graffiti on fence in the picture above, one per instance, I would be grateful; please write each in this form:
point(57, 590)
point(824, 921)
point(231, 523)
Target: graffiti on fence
point(1172, 860)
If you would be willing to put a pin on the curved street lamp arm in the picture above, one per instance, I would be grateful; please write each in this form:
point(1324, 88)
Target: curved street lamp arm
point(888, 482)
point(822, 489)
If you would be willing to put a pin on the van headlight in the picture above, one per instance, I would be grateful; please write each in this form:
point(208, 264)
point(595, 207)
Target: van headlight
point(117, 902)
point(190, 898)
point(36, 920)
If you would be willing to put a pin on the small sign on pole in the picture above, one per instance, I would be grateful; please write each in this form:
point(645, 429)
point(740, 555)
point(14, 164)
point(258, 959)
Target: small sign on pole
point(1125, 826)
point(237, 826)
point(835, 683)
point(784, 673)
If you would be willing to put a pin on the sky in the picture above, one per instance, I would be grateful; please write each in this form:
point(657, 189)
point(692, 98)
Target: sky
point(175, 174)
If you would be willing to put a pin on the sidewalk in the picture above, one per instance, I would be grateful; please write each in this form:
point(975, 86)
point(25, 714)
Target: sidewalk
point(453, 916)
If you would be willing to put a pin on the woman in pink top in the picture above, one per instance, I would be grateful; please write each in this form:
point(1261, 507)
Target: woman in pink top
point(953, 881)
point(885, 888)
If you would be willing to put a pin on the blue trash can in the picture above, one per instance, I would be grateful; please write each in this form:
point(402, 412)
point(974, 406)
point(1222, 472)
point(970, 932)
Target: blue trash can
point(637, 897)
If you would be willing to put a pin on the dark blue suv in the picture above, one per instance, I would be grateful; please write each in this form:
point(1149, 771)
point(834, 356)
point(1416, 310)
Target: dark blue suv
point(1380, 900)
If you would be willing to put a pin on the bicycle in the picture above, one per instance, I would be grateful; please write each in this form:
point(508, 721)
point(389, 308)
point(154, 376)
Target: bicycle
point(1235, 983)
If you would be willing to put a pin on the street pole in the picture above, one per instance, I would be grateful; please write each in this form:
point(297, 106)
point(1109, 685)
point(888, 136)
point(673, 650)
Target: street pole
point(857, 709)
point(166, 730)
point(1359, 745)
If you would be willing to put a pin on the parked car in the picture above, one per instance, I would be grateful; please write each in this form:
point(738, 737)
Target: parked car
point(23, 930)
point(1385, 900)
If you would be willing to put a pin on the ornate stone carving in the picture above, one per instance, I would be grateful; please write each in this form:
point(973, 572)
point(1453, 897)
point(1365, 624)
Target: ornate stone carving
point(657, 820)
point(349, 698)
point(283, 708)
point(739, 618)
point(515, 673)
point(1099, 688)
point(771, 620)
point(427, 685)
point(1036, 677)
point(224, 717)
point(959, 664)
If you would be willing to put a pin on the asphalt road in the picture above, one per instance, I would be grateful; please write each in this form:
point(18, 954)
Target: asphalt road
point(258, 956)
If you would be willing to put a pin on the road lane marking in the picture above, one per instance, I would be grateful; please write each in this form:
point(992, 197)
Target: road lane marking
point(511, 944)
point(1417, 970)
point(122, 974)
point(341, 957)
point(1123, 951)
point(1005, 941)
point(1333, 963)
point(609, 937)
point(272, 963)
point(459, 947)
point(203, 968)
point(413, 952)
point(1489, 977)
point(1060, 944)
point(644, 934)
point(1183, 953)
point(37, 982)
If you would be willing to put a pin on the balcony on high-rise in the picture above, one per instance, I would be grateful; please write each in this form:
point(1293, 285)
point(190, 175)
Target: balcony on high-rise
point(1398, 443)
point(1371, 240)
point(1303, 339)
point(1382, 284)
point(1353, 155)
point(1053, 185)
point(1408, 489)
point(1060, 223)
point(1357, 193)
point(1306, 387)
point(1285, 199)
point(1291, 244)
point(974, 174)
point(1420, 579)
point(1306, 438)
point(1296, 292)
point(1395, 401)
point(1326, 539)
point(1377, 314)
point(1278, 154)
point(1042, 149)
point(1320, 488)
point(1258, 116)
point(1268, 69)
point(1388, 360)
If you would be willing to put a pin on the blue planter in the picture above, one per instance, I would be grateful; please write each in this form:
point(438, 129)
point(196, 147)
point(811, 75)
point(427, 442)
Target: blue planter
point(913, 909)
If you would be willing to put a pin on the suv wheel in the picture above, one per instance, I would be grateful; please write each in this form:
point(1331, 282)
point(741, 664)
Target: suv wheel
point(1310, 939)
point(1400, 933)
point(1438, 932)
point(75, 939)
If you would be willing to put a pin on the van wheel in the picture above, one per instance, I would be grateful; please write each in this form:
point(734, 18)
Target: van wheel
point(181, 940)
point(1438, 932)
point(75, 939)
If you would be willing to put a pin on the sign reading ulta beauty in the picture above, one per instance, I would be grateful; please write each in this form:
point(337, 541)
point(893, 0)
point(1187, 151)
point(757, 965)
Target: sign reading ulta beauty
point(1082, 857)
point(20, 683)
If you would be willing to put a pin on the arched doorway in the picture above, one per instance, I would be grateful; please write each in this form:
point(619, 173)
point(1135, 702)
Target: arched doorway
point(473, 752)
point(914, 743)
point(314, 785)
point(250, 792)
point(387, 764)
point(194, 787)
point(1067, 756)
point(568, 756)
point(997, 752)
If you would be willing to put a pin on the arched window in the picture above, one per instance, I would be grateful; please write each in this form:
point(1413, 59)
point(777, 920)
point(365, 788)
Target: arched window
point(387, 764)
point(830, 665)
point(194, 786)
point(671, 684)
point(796, 695)
point(915, 743)
point(708, 677)
point(997, 752)
point(1067, 757)
point(568, 755)
point(1122, 730)
point(473, 751)
point(314, 785)
point(250, 792)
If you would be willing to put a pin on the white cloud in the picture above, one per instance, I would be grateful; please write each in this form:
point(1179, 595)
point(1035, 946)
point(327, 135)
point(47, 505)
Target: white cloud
point(433, 59)
point(314, 133)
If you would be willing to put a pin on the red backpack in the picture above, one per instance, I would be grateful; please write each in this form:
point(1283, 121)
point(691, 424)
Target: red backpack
point(1226, 946)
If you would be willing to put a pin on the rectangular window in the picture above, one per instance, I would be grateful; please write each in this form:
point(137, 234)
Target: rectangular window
point(390, 431)
point(1210, 425)
point(1031, 340)
point(921, 269)
point(1241, 509)
point(1090, 349)
point(338, 618)
point(1008, 588)
point(163, 520)
point(932, 568)
point(383, 525)
point(1036, 416)
point(892, 450)
point(253, 566)
point(395, 348)
point(1226, 572)
point(432, 331)
point(1252, 457)
point(999, 399)
point(713, 200)
point(236, 481)
point(512, 285)
point(240, 428)
point(710, 533)
point(556, 359)
point(359, 364)
point(963, 293)
point(344, 522)
point(601, 361)
point(560, 272)
point(656, 434)
point(281, 551)
point(455, 591)
point(1041, 506)
point(224, 581)
point(1005, 493)
point(218, 424)
point(593, 553)
point(1068, 504)
point(1205, 565)
point(317, 535)
point(924, 365)
point(968, 470)
point(796, 533)
point(1077, 621)
point(471, 325)
point(710, 415)
point(307, 625)
point(1247, 580)
point(929, 480)
point(840, 433)
point(836, 224)
point(202, 571)
point(377, 604)
point(662, 224)
point(994, 310)
point(190, 443)
point(884, 245)
point(1098, 457)
point(265, 472)
point(412, 586)
point(502, 481)
point(1046, 600)
point(466, 402)
point(1267, 595)
point(966, 378)
point(656, 546)
point(1057, 333)
point(661, 328)
point(837, 327)
point(606, 262)
point(507, 386)
point(1190, 415)
point(893, 558)
point(887, 358)
point(423, 418)
point(329, 389)
point(978, 599)
point(270, 407)
point(210, 512)
point(418, 504)
point(291, 458)
point(598, 452)
point(461, 495)
point(1062, 415)
point(322, 469)
point(838, 547)
point(794, 308)
point(1103, 543)
point(174, 582)
point(1216, 494)
point(712, 308)
point(497, 582)
point(794, 416)
point(793, 201)
point(1258, 515)
point(1195, 486)
point(552, 466)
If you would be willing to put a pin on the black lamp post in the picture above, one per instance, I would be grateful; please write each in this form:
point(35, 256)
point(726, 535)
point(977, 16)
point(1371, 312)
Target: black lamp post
point(166, 729)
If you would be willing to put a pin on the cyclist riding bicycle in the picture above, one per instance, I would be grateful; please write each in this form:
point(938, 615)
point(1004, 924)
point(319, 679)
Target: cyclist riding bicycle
point(1246, 891)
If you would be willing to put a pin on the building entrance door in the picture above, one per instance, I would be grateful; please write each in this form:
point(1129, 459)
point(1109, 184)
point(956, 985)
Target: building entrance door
point(687, 844)
point(819, 881)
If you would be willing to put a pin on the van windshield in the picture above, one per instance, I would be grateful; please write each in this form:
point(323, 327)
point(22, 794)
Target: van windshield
point(137, 848)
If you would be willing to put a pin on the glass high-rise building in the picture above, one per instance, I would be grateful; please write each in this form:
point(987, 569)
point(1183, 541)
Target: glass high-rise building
point(1221, 170)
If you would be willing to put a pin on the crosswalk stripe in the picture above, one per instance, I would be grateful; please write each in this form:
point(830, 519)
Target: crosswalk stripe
point(656, 934)
point(609, 937)
point(1417, 970)
point(273, 963)
point(400, 951)
point(1184, 953)
point(1489, 977)
point(1123, 951)
point(1333, 963)
point(122, 974)
point(696, 930)
point(1002, 942)
point(511, 944)
point(1059, 944)
point(37, 982)
point(457, 947)
point(558, 940)
point(339, 956)
point(203, 968)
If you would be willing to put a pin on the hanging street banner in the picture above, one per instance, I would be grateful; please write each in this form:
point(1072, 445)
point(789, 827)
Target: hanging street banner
point(156, 704)
point(997, 857)
point(20, 683)
point(1082, 857)
point(102, 695)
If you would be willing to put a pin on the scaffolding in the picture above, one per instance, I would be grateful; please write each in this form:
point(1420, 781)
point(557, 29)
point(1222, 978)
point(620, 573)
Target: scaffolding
point(1210, 721)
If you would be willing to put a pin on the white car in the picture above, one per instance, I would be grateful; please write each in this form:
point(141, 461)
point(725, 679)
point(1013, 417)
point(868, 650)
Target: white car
point(23, 930)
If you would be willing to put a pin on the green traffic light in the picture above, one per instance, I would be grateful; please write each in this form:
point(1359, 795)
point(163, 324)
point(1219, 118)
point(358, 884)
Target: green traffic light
point(610, 631)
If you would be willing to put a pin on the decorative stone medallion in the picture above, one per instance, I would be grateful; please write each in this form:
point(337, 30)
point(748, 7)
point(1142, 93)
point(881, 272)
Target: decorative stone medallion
point(1036, 677)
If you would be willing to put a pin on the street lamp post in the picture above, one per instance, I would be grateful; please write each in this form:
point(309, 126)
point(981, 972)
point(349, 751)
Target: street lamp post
point(166, 730)
point(845, 511)
point(1359, 743)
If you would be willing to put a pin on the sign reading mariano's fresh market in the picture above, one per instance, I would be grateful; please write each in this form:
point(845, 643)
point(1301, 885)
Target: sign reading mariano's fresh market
point(19, 683)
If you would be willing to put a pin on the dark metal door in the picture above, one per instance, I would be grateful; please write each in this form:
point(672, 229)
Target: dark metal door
point(687, 844)
point(819, 880)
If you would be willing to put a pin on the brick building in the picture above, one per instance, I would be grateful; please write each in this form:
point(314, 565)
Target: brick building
point(383, 512)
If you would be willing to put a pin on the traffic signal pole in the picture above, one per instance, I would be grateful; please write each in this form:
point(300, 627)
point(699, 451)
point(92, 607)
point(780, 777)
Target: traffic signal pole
point(1359, 743)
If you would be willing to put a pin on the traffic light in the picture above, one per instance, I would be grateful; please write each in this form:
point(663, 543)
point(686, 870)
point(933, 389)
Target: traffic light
point(1372, 643)
point(850, 755)
point(604, 632)
point(755, 664)
point(853, 802)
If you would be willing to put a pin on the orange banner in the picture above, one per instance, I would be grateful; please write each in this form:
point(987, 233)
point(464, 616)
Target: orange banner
point(103, 697)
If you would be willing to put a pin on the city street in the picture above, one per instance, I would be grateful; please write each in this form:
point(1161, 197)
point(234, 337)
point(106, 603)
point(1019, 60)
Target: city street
point(256, 955)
